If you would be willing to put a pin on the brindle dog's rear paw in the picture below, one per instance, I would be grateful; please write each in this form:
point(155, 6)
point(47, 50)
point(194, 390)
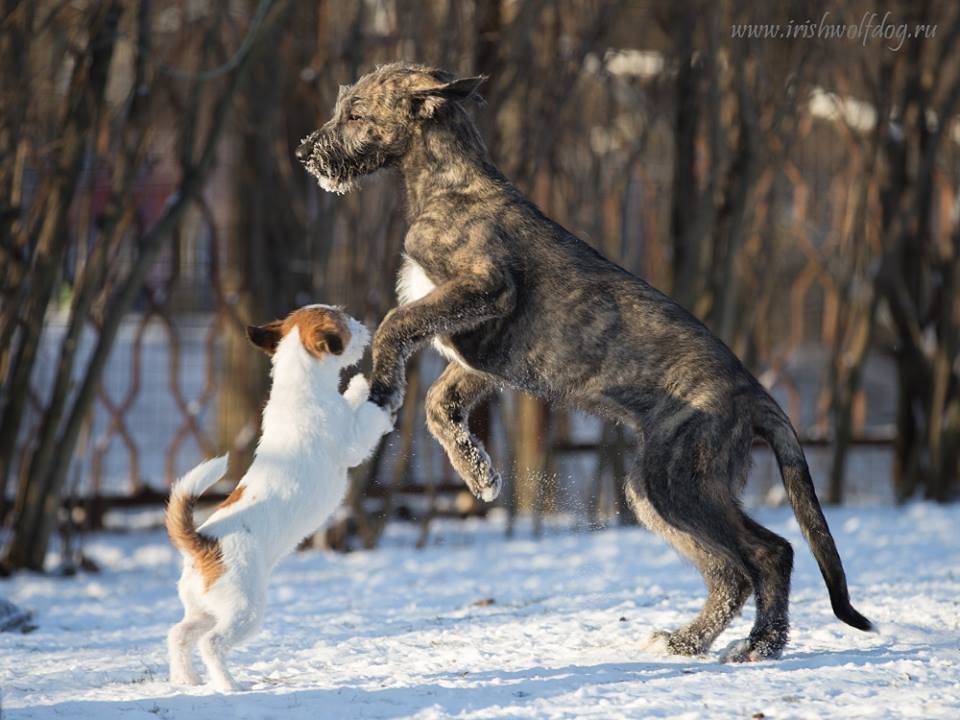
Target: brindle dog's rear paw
point(738, 652)
point(674, 643)
point(749, 650)
point(657, 643)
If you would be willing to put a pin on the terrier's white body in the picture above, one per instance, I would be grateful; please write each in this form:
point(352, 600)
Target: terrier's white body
point(311, 435)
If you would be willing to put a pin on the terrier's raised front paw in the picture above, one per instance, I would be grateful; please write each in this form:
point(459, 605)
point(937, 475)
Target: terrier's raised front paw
point(358, 390)
point(386, 420)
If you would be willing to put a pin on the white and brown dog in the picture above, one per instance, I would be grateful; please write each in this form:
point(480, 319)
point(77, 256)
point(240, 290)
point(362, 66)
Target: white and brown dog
point(311, 435)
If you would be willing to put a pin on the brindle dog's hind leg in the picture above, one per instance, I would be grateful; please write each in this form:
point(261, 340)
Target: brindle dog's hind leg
point(686, 487)
point(727, 586)
point(448, 405)
point(774, 557)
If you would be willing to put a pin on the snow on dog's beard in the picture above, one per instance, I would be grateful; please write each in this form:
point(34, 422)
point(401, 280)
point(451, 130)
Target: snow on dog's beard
point(340, 187)
point(338, 166)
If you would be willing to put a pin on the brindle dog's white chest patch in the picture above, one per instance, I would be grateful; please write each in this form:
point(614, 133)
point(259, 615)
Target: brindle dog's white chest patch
point(413, 284)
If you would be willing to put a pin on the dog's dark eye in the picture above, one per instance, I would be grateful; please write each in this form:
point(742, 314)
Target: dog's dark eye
point(354, 117)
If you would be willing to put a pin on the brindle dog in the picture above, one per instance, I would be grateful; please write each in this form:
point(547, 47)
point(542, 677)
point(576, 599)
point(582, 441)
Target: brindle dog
point(512, 298)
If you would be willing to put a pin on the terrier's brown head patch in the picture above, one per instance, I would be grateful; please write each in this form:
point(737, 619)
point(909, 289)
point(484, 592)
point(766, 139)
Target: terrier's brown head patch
point(322, 329)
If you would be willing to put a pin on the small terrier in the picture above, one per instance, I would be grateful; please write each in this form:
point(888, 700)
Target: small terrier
point(311, 435)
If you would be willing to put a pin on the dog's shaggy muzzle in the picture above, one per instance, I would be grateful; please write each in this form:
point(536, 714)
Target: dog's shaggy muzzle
point(336, 165)
point(317, 154)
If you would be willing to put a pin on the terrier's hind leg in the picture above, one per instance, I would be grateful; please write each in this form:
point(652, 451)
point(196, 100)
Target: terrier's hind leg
point(233, 625)
point(182, 639)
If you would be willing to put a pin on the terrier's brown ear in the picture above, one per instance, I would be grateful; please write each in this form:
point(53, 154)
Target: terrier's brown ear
point(428, 100)
point(330, 342)
point(266, 337)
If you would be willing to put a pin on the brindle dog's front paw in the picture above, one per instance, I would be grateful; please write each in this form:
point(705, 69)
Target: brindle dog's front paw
point(379, 394)
point(386, 397)
point(473, 464)
point(490, 491)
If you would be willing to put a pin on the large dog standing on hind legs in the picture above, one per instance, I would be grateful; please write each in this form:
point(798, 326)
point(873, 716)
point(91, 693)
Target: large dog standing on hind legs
point(512, 298)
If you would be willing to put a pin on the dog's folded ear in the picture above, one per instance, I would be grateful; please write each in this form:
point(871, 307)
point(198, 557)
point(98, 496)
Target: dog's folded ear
point(426, 101)
point(331, 342)
point(461, 88)
point(266, 337)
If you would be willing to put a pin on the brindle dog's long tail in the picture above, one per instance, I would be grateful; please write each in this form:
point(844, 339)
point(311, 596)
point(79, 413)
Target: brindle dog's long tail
point(770, 423)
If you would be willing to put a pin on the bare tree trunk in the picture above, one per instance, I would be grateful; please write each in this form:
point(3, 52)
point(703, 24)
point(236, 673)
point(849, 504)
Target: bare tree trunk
point(531, 451)
point(914, 267)
point(692, 208)
point(264, 240)
point(854, 330)
point(942, 441)
point(15, 42)
point(83, 106)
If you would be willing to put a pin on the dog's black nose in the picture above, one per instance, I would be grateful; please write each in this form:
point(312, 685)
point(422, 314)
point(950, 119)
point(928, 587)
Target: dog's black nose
point(303, 152)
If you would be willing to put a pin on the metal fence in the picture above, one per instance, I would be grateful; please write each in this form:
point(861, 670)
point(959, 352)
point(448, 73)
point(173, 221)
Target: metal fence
point(156, 413)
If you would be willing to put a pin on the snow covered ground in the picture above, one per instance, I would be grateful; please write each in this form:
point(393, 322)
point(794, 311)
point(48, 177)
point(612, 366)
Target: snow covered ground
point(479, 626)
